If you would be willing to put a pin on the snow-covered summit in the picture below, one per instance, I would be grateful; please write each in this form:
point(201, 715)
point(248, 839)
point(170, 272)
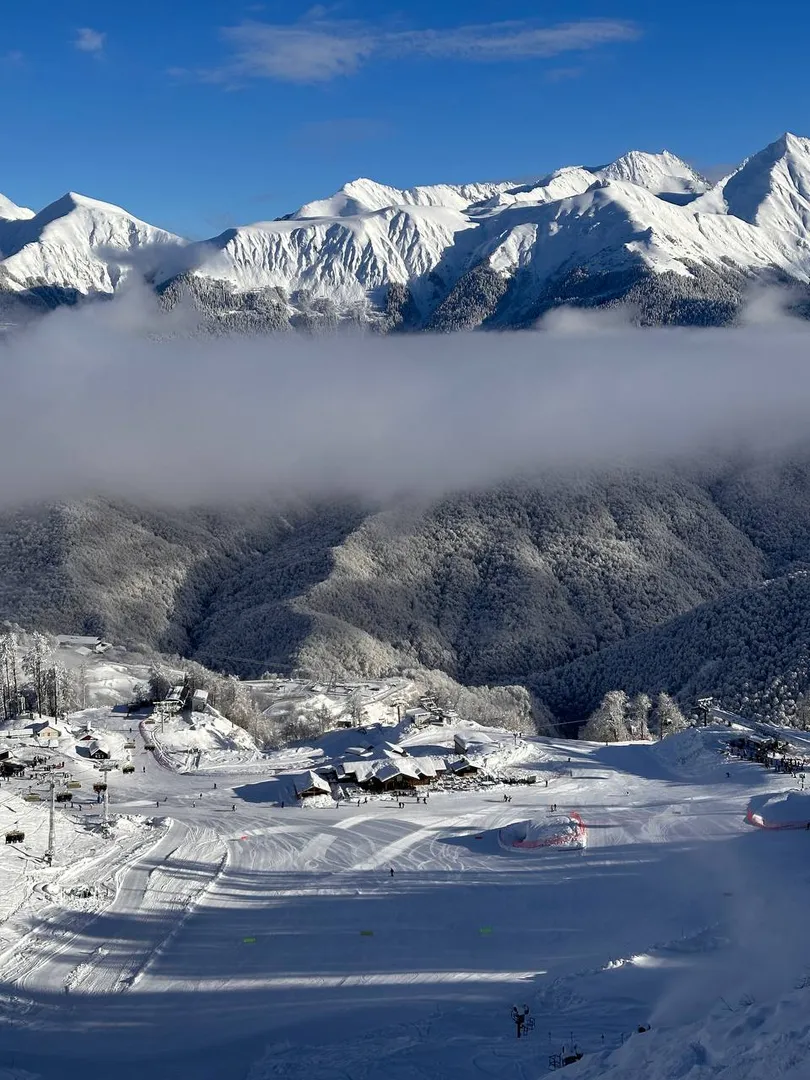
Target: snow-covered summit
point(662, 173)
point(436, 245)
point(68, 245)
point(770, 189)
point(9, 211)
point(363, 196)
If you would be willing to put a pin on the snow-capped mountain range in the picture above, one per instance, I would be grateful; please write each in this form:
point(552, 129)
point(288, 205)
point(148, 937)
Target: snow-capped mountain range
point(645, 229)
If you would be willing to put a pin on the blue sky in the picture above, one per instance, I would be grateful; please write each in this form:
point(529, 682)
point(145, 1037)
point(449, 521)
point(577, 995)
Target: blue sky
point(200, 114)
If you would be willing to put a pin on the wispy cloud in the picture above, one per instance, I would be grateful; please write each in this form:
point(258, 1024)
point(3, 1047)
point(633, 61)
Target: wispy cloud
point(319, 49)
point(89, 40)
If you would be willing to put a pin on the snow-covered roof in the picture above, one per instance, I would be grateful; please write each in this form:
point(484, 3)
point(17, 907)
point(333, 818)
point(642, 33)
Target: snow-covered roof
point(310, 781)
point(401, 768)
point(465, 740)
point(395, 748)
point(360, 770)
point(460, 765)
point(48, 729)
point(96, 744)
point(427, 766)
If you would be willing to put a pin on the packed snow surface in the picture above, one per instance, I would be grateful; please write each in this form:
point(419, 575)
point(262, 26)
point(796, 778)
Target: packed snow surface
point(218, 936)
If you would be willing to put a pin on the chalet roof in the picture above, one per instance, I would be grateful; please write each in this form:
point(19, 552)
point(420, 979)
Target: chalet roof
point(47, 726)
point(360, 770)
point(392, 770)
point(395, 748)
point(310, 781)
point(460, 764)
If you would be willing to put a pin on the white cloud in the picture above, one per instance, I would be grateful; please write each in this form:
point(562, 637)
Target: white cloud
point(89, 40)
point(319, 49)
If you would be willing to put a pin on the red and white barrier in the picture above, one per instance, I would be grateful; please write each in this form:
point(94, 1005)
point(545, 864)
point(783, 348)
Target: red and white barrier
point(757, 819)
point(569, 832)
point(782, 810)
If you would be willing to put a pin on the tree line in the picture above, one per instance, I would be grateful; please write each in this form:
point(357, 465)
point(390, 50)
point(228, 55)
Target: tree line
point(33, 680)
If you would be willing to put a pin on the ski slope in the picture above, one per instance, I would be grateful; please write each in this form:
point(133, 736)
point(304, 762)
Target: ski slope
point(265, 942)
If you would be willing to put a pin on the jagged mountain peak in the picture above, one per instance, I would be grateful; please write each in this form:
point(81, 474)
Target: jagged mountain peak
point(661, 173)
point(772, 188)
point(9, 211)
point(65, 245)
point(376, 249)
point(363, 196)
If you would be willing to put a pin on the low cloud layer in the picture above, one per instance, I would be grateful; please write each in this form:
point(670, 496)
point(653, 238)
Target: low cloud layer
point(101, 400)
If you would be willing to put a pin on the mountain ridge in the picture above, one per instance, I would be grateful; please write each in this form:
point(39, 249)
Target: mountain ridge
point(449, 251)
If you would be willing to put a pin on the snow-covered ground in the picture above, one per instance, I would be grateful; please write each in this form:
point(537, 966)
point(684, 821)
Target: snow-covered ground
point(203, 741)
point(259, 942)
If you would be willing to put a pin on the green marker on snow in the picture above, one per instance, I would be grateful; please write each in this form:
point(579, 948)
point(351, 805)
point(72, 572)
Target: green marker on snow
point(485, 930)
point(366, 933)
point(248, 940)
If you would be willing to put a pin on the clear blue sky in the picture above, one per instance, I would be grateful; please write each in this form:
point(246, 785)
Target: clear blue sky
point(200, 114)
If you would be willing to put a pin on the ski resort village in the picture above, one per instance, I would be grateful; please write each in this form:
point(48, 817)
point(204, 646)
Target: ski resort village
point(400, 892)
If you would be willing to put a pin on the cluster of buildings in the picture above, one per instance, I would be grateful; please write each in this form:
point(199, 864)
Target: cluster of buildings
point(388, 767)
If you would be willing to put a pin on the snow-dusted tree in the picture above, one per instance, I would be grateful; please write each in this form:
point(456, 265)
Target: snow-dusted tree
point(357, 709)
point(60, 689)
point(159, 683)
point(668, 717)
point(638, 716)
point(36, 661)
point(80, 685)
point(9, 689)
point(802, 713)
point(609, 722)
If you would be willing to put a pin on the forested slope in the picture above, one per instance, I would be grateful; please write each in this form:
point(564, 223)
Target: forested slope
point(571, 586)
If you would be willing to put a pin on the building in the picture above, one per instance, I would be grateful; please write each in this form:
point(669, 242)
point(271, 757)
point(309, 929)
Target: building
point(463, 767)
point(47, 731)
point(427, 769)
point(355, 772)
point(465, 742)
point(84, 644)
point(98, 750)
point(393, 777)
point(199, 701)
point(173, 701)
point(309, 784)
point(418, 717)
